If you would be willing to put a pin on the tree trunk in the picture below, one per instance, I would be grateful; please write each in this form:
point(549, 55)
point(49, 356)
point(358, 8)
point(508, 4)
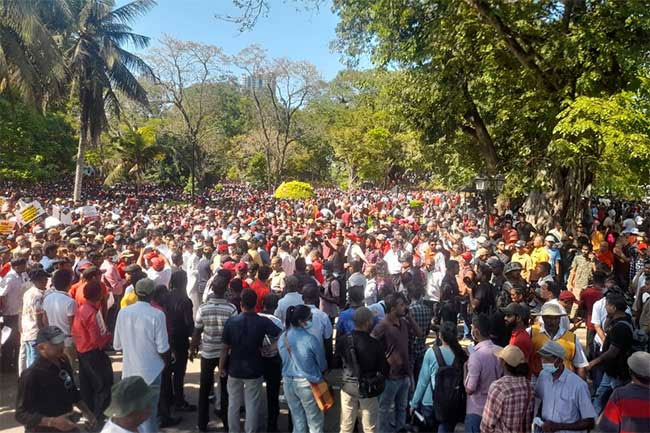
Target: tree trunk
point(79, 170)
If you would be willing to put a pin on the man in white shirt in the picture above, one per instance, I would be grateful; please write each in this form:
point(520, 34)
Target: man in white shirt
point(288, 262)
point(141, 334)
point(392, 258)
point(60, 309)
point(11, 291)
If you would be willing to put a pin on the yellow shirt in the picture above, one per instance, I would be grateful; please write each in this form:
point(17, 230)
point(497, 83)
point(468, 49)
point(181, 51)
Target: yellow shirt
point(596, 239)
point(128, 299)
point(526, 263)
point(539, 255)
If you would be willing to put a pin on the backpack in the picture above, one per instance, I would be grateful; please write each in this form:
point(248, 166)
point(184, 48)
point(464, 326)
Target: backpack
point(640, 339)
point(449, 395)
point(368, 384)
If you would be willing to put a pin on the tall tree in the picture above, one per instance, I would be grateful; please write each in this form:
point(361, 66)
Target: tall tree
point(488, 78)
point(100, 66)
point(186, 74)
point(279, 88)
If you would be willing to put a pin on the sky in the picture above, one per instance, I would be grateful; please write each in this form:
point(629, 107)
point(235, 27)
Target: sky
point(298, 34)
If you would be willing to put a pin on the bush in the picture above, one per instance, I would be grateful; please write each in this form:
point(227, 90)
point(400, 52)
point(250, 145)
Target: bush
point(413, 204)
point(294, 190)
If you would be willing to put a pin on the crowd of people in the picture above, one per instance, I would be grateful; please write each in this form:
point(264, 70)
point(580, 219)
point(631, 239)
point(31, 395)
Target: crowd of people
point(439, 312)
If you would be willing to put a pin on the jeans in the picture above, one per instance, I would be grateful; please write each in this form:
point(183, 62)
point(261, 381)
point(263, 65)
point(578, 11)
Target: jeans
point(95, 381)
point(440, 427)
point(273, 378)
point(472, 423)
point(607, 385)
point(306, 415)
point(395, 392)
point(206, 385)
point(27, 356)
point(351, 406)
point(249, 393)
point(467, 319)
point(151, 424)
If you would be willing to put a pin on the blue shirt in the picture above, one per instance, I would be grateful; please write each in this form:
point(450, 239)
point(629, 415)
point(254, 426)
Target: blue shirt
point(321, 327)
point(307, 358)
point(427, 380)
point(553, 257)
point(288, 300)
point(345, 324)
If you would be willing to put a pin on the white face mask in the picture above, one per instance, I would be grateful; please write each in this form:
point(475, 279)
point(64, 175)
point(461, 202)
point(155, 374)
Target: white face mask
point(549, 366)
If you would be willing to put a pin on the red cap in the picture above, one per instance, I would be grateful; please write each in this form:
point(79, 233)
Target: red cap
point(241, 267)
point(467, 256)
point(150, 256)
point(222, 248)
point(229, 266)
point(157, 263)
point(565, 295)
point(109, 239)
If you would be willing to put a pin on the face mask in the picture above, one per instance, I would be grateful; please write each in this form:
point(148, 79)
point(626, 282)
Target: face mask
point(308, 324)
point(547, 366)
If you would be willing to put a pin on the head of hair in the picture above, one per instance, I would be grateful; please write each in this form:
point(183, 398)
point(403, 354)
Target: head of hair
point(599, 278)
point(449, 334)
point(177, 258)
point(393, 300)
point(50, 248)
point(296, 314)
point(292, 284)
point(356, 265)
point(93, 291)
point(264, 272)
point(158, 294)
point(301, 265)
point(482, 323)
point(545, 267)
point(311, 295)
point(617, 301)
point(356, 295)
point(362, 316)
point(452, 264)
point(555, 289)
point(178, 280)
point(236, 285)
point(270, 302)
point(219, 286)
point(61, 279)
point(248, 299)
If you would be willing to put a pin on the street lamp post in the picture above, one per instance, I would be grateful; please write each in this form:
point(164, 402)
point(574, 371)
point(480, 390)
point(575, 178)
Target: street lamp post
point(487, 186)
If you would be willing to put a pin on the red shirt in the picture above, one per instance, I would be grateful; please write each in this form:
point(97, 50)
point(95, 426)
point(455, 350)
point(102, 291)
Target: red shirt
point(521, 339)
point(77, 291)
point(85, 330)
point(607, 258)
point(261, 290)
point(588, 298)
point(4, 270)
point(317, 265)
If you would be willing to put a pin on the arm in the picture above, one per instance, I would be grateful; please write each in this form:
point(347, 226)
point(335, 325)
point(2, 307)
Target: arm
point(612, 352)
point(414, 327)
point(473, 375)
point(94, 332)
point(30, 419)
point(223, 360)
point(423, 380)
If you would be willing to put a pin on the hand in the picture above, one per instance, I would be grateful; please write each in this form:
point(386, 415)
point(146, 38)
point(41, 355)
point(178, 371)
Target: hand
point(62, 423)
point(549, 426)
point(91, 420)
point(192, 354)
point(223, 372)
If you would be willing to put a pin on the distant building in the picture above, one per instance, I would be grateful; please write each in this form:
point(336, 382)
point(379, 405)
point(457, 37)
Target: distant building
point(257, 83)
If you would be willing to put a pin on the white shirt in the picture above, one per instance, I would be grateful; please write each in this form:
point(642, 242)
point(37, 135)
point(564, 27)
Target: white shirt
point(59, 307)
point(11, 288)
point(392, 261)
point(111, 427)
point(160, 278)
point(565, 400)
point(599, 317)
point(433, 282)
point(288, 263)
point(370, 292)
point(141, 334)
point(321, 327)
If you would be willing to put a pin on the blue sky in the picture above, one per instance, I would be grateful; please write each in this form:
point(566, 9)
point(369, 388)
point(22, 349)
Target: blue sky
point(286, 32)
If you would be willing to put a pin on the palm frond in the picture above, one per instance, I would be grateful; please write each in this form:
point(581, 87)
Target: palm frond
point(130, 11)
point(122, 79)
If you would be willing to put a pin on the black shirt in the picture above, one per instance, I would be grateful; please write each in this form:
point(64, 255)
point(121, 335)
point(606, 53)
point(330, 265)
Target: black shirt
point(486, 295)
point(244, 334)
point(179, 314)
point(370, 355)
point(620, 335)
point(45, 390)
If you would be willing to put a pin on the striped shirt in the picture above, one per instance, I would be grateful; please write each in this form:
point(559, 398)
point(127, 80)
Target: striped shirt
point(509, 406)
point(627, 411)
point(211, 318)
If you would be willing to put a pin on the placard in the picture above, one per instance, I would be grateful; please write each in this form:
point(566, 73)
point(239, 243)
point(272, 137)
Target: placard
point(7, 227)
point(29, 212)
point(63, 214)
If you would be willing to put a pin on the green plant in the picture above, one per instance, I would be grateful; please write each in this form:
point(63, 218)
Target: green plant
point(294, 190)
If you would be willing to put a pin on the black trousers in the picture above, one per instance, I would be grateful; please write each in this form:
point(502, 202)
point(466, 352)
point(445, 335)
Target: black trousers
point(95, 381)
point(178, 369)
point(206, 384)
point(111, 314)
point(11, 348)
point(273, 379)
point(166, 398)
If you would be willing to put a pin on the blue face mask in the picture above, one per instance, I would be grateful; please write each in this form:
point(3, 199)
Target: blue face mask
point(308, 324)
point(551, 368)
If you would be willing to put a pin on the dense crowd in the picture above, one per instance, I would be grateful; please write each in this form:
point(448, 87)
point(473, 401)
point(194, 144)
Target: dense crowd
point(438, 310)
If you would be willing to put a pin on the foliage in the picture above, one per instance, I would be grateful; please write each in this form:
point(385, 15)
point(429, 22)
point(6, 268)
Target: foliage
point(294, 190)
point(484, 81)
point(33, 146)
point(413, 204)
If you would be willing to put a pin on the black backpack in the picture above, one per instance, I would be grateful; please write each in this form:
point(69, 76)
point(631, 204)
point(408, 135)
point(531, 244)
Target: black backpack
point(449, 395)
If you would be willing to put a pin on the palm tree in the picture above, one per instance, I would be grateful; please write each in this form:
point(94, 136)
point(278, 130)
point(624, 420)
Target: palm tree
point(134, 151)
point(100, 67)
point(31, 61)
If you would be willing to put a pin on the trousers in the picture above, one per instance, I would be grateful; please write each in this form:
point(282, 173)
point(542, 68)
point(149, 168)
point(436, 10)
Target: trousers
point(248, 392)
point(208, 365)
point(351, 406)
point(95, 381)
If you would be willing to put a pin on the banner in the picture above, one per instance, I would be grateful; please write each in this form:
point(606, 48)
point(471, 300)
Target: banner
point(89, 213)
point(63, 214)
point(29, 212)
point(7, 227)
